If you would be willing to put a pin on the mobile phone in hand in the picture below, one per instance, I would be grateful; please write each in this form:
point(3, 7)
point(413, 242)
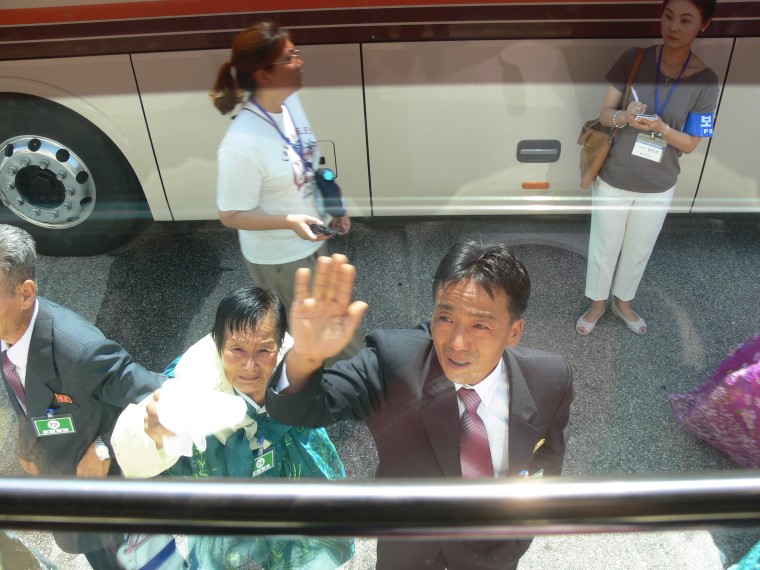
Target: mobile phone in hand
point(322, 229)
point(646, 117)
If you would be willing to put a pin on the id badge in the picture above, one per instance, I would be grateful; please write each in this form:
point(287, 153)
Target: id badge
point(57, 425)
point(649, 147)
point(263, 463)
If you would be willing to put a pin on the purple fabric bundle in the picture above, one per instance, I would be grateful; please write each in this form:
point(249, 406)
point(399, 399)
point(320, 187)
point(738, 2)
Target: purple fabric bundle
point(725, 410)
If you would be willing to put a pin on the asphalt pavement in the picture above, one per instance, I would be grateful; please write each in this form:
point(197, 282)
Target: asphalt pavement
point(700, 296)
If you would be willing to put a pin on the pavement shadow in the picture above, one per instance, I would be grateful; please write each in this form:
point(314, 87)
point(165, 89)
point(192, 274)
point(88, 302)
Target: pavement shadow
point(156, 285)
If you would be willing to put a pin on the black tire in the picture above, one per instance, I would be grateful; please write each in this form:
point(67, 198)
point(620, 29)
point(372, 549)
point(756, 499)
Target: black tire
point(64, 181)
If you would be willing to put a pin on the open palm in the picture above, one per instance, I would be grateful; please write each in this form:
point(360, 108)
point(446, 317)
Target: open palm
point(323, 319)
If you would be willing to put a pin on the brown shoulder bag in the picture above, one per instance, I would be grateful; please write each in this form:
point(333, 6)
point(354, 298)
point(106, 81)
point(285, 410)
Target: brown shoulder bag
point(596, 140)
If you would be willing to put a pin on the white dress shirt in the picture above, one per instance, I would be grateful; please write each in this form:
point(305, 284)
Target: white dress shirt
point(494, 411)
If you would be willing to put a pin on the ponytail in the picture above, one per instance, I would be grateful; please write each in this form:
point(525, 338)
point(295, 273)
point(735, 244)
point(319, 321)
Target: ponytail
point(226, 93)
point(257, 47)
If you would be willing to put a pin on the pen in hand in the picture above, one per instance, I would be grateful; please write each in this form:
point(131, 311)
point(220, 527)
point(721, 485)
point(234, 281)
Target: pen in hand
point(640, 106)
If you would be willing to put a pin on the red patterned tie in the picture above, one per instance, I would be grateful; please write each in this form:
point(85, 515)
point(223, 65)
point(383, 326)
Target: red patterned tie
point(9, 370)
point(475, 454)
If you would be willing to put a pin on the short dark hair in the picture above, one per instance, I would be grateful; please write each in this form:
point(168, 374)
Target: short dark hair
point(490, 266)
point(244, 309)
point(18, 257)
point(706, 8)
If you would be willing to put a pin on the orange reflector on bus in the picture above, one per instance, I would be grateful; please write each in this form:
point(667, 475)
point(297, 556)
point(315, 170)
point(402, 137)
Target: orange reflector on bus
point(535, 185)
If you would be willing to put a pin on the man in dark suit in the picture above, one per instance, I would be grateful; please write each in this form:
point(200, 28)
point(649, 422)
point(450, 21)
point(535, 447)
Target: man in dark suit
point(452, 398)
point(66, 382)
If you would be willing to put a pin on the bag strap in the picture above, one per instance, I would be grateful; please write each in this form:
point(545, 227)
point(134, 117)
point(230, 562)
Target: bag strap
point(632, 76)
point(306, 164)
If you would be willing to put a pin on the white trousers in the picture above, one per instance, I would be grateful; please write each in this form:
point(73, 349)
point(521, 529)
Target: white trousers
point(624, 225)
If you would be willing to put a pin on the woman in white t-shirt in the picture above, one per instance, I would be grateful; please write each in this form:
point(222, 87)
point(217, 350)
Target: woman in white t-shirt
point(266, 188)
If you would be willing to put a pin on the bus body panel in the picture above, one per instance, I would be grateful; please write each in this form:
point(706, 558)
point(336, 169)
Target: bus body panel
point(419, 109)
point(186, 128)
point(445, 118)
point(731, 181)
point(101, 89)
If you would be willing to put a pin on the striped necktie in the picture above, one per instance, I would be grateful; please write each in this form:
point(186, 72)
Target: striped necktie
point(475, 453)
point(9, 370)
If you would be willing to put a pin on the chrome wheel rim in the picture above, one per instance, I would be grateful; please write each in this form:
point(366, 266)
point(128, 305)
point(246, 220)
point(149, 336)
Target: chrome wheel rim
point(44, 182)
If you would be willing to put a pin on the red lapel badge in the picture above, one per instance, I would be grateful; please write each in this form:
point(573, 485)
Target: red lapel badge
point(63, 399)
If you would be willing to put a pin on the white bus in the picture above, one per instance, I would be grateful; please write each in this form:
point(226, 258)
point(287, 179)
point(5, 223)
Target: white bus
point(422, 108)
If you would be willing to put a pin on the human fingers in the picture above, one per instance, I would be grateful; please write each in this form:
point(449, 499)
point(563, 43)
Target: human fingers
point(157, 432)
point(154, 399)
point(355, 313)
point(345, 284)
point(311, 220)
point(151, 417)
point(342, 224)
point(152, 424)
point(300, 224)
point(648, 124)
point(301, 286)
point(322, 278)
point(29, 467)
point(334, 285)
point(311, 233)
point(634, 109)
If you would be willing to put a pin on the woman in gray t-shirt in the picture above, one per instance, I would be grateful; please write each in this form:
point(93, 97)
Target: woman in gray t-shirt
point(632, 194)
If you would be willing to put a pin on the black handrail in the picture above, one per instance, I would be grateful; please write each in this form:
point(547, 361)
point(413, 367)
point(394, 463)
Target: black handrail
point(451, 508)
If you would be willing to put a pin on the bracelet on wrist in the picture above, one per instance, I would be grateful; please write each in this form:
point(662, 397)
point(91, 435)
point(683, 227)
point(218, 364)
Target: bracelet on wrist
point(614, 119)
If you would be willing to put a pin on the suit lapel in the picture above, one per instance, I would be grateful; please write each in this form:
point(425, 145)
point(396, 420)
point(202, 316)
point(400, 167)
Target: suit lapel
point(523, 436)
point(441, 417)
point(40, 370)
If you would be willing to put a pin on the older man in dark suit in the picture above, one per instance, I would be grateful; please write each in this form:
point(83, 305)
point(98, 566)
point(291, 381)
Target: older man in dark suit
point(66, 382)
point(454, 397)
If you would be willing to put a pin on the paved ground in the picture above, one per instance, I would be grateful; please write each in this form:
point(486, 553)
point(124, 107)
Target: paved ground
point(700, 295)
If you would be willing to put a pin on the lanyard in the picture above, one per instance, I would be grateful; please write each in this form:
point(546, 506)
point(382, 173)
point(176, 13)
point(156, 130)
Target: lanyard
point(298, 150)
point(657, 110)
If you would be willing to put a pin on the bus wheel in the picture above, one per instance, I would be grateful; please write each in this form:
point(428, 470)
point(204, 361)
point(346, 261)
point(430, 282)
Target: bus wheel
point(64, 181)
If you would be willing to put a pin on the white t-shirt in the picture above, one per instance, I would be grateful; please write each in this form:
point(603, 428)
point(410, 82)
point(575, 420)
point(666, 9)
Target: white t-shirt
point(259, 170)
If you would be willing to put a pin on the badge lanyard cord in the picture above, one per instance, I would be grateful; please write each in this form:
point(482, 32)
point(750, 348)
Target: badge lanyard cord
point(657, 84)
point(268, 118)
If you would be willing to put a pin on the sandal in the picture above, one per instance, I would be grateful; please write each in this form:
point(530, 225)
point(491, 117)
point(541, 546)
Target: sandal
point(638, 327)
point(583, 327)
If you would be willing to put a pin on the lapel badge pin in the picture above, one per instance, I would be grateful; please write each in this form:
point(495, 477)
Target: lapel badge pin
point(539, 443)
point(63, 399)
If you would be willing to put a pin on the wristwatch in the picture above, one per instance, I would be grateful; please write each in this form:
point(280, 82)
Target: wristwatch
point(662, 134)
point(101, 449)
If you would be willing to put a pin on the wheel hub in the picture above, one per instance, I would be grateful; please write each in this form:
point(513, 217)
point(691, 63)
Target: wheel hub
point(44, 182)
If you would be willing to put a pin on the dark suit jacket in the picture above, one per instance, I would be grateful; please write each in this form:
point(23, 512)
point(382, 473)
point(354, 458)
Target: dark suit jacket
point(71, 357)
point(397, 386)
